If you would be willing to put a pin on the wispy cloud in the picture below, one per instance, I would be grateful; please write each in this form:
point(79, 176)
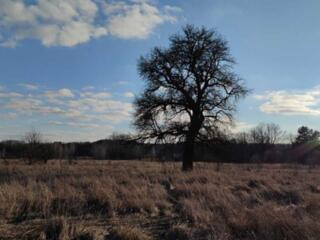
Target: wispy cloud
point(75, 124)
point(77, 133)
point(98, 95)
point(123, 82)
point(293, 102)
point(84, 108)
point(240, 126)
point(29, 86)
point(31, 105)
point(71, 22)
point(63, 92)
point(10, 94)
point(88, 88)
point(128, 94)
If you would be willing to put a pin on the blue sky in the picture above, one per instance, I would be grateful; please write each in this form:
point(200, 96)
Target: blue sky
point(68, 67)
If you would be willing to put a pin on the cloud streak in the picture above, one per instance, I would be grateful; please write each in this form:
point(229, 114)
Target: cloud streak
point(65, 107)
point(294, 102)
point(30, 87)
point(128, 94)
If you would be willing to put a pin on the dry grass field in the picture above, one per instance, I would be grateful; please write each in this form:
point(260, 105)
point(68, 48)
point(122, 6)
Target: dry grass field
point(124, 200)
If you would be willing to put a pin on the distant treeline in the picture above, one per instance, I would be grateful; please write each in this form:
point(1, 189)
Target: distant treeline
point(261, 144)
point(130, 150)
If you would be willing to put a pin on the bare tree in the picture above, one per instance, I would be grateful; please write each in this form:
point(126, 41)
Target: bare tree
point(266, 133)
point(242, 138)
point(190, 89)
point(37, 149)
point(33, 139)
point(274, 132)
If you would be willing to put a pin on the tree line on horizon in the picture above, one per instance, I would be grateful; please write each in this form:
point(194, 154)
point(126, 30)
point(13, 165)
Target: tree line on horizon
point(265, 143)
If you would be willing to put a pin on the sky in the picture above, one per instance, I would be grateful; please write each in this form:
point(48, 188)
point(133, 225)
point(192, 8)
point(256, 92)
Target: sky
point(68, 68)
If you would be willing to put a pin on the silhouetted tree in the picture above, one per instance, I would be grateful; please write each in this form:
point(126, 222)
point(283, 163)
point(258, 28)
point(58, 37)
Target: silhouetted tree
point(33, 137)
point(121, 137)
point(266, 133)
point(36, 149)
point(242, 138)
point(305, 135)
point(33, 140)
point(190, 89)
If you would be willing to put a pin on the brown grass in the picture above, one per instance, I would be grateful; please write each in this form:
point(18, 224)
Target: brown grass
point(125, 233)
point(147, 200)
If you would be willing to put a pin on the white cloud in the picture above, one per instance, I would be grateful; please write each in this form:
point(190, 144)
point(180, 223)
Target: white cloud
point(10, 95)
point(136, 20)
point(75, 124)
point(29, 86)
point(66, 104)
point(128, 94)
point(87, 88)
point(294, 102)
point(63, 92)
point(170, 9)
point(123, 82)
point(90, 108)
point(240, 126)
point(71, 22)
point(72, 115)
point(78, 133)
point(29, 106)
point(98, 95)
point(57, 22)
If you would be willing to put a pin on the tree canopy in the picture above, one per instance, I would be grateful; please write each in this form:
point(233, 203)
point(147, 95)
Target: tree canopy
point(306, 135)
point(190, 89)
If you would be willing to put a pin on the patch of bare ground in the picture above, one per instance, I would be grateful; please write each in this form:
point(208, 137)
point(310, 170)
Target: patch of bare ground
point(146, 200)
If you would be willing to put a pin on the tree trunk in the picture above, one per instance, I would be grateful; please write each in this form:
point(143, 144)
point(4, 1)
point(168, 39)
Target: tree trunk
point(188, 154)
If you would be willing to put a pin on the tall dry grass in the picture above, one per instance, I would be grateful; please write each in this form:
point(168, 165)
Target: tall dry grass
point(147, 200)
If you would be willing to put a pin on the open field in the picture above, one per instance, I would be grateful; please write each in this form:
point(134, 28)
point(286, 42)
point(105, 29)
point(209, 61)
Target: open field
point(146, 200)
